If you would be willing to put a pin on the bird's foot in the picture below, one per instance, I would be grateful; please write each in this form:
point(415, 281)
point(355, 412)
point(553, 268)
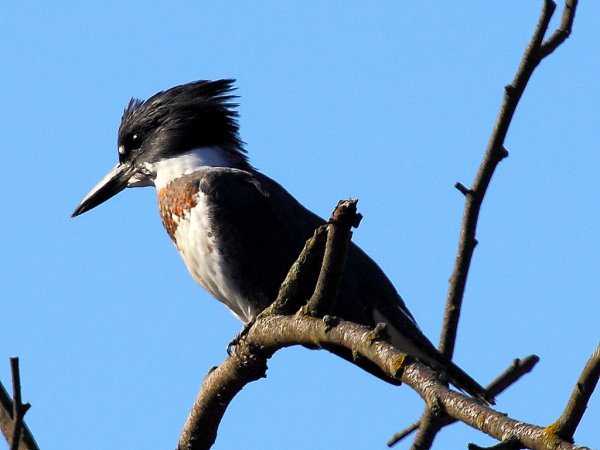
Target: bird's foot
point(379, 333)
point(330, 322)
point(240, 336)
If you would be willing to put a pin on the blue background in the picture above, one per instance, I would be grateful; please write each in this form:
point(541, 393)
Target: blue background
point(390, 102)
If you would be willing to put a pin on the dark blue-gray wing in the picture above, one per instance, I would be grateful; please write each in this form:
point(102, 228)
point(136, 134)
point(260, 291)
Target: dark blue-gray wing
point(264, 229)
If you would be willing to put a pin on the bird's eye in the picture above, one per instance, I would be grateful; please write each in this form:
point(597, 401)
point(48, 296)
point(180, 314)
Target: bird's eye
point(129, 144)
point(133, 142)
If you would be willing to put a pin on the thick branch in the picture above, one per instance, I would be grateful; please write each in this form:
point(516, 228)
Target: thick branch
point(271, 333)
point(517, 369)
point(508, 444)
point(218, 389)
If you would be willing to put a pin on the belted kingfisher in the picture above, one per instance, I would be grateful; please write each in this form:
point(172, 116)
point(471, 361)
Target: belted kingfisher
point(237, 230)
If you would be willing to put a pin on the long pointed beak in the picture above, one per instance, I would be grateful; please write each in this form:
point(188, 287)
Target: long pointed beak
point(112, 183)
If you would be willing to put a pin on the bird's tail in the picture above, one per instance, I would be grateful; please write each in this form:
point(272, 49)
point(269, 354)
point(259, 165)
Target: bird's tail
point(407, 338)
point(458, 377)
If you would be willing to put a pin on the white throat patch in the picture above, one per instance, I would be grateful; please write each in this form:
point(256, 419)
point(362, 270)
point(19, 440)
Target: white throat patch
point(169, 169)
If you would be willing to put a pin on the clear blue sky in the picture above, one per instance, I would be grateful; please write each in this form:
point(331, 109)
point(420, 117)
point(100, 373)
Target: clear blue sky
point(390, 102)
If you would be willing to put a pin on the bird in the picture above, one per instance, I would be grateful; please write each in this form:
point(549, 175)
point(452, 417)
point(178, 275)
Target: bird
point(239, 231)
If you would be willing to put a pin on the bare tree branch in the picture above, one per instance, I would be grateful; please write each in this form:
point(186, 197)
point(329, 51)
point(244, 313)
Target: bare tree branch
point(563, 31)
point(19, 409)
point(13, 427)
point(200, 429)
point(508, 444)
point(219, 387)
point(324, 254)
point(567, 423)
point(429, 426)
point(494, 153)
point(271, 333)
point(517, 369)
point(301, 276)
point(343, 218)
point(397, 437)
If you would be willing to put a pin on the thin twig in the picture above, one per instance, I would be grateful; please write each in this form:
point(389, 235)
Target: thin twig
point(494, 153)
point(27, 442)
point(397, 437)
point(298, 283)
point(302, 276)
point(563, 31)
point(518, 368)
point(339, 233)
point(474, 196)
point(430, 425)
point(18, 408)
point(567, 423)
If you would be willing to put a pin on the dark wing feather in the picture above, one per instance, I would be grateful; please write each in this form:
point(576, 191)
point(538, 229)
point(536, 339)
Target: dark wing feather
point(263, 234)
point(266, 228)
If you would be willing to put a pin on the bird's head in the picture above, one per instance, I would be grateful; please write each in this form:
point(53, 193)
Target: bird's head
point(172, 133)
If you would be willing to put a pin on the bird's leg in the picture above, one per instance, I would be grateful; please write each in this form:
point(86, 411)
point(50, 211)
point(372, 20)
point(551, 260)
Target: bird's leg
point(269, 311)
point(240, 336)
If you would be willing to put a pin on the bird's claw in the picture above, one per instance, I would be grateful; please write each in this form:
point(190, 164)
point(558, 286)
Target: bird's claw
point(379, 333)
point(330, 322)
point(240, 337)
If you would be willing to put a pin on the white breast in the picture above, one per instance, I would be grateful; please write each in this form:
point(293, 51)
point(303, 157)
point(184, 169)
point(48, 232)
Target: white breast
point(205, 261)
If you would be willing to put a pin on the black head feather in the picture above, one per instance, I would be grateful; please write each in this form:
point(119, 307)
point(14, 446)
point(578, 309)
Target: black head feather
point(171, 122)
